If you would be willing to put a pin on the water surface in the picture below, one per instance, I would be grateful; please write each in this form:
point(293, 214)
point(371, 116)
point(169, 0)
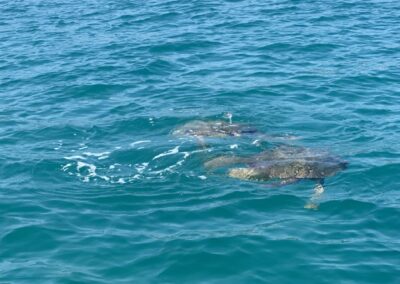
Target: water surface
point(94, 189)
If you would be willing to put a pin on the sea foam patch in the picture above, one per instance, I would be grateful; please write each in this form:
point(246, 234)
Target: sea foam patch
point(89, 165)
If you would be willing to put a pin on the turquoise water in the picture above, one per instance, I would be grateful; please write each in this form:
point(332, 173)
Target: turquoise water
point(95, 189)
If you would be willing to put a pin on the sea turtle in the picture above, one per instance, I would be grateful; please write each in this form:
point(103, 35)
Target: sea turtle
point(284, 164)
point(201, 129)
point(213, 128)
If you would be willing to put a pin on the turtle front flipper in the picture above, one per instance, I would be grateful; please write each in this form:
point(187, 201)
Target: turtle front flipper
point(318, 191)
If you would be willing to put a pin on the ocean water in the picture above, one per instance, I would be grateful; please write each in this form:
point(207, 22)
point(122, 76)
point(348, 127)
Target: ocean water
point(95, 189)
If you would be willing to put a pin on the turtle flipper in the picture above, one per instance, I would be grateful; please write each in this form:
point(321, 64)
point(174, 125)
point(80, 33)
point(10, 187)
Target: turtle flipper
point(313, 203)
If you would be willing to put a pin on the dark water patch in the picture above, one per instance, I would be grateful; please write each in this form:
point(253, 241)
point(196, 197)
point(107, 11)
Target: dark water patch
point(26, 240)
point(94, 91)
point(320, 47)
point(174, 47)
point(327, 19)
point(346, 209)
point(277, 47)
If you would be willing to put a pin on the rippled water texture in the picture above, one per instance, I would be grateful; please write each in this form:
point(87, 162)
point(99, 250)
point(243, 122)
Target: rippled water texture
point(95, 189)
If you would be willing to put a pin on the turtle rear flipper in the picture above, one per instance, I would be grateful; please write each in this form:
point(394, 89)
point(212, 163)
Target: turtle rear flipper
point(318, 191)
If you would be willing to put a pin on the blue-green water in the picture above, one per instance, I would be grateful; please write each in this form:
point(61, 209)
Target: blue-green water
point(91, 90)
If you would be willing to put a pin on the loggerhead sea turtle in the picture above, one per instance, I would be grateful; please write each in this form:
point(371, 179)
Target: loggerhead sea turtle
point(220, 129)
point(213, 128)
point(285, 164)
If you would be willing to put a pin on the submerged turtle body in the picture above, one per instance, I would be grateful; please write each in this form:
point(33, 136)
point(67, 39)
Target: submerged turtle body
point(289, 169)
point(216, 128)
point(284, 163)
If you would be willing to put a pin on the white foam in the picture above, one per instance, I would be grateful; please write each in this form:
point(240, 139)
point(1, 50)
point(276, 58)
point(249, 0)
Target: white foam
point(82, 146)
point(170, 168)
point(202, 177)
point(201, 150)
point(234, 146)
point(66, 167)
point(141, 167)
point(167, 153)
point(185, 155)
point(113, 166)
point(106, 178)
point(137, 176)
point(167, 169)
point(91, 169)
point(76, 157)
point(60, 144)
point(180, 163)
point(133, 144)
point(121, 181)
point(99, 156)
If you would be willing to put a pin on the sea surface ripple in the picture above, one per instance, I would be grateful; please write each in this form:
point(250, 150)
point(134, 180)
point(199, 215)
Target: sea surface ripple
point(95, 189)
